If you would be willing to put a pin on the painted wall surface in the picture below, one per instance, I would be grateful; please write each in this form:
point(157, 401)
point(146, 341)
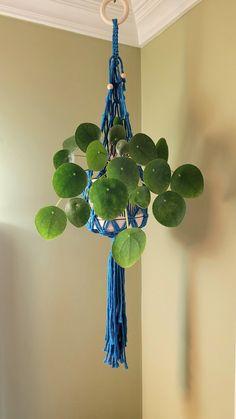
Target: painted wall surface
point(188, 96)
point(53, 294)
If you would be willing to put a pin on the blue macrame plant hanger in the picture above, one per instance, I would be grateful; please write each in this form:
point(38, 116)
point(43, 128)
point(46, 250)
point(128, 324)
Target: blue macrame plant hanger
point(116, 323)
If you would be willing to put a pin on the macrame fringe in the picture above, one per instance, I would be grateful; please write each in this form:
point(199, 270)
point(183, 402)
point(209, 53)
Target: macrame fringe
point(116, 326)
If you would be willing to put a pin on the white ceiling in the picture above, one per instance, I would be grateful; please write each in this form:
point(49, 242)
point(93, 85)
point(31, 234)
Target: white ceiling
point(147, 18)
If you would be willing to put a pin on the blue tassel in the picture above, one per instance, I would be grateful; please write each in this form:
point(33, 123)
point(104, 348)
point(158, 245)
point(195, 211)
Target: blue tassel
point(116, 326)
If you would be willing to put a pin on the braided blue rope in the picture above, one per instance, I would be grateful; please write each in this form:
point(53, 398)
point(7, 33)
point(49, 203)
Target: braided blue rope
point(115, 100)
point(116, 324)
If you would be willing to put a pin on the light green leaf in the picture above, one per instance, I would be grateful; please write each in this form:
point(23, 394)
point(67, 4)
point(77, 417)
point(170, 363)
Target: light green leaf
point(96, 155)
point(50, 222)
point(109, 198)
point(128, 247)
point(70, 144)
point(140, 196)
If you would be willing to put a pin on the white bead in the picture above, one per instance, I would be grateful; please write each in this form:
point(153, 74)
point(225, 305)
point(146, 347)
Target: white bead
point(123, 75)
point(110, 86)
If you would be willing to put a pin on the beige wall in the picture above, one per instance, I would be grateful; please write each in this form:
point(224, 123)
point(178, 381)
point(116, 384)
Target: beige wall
point(188, 96)
point(53, 295)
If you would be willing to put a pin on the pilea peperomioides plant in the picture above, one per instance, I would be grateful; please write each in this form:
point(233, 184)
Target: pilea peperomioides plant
point(128, 173)
point(112, 196)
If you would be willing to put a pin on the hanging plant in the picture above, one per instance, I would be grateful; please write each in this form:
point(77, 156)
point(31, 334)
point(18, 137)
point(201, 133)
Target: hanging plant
point(112, 196)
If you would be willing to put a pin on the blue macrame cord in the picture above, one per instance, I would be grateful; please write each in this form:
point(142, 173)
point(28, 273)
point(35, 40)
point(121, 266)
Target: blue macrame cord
point(116, 323)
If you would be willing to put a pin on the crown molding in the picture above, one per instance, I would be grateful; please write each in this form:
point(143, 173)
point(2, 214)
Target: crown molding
point(154, 16)
point(79, 16)
point(147, 19)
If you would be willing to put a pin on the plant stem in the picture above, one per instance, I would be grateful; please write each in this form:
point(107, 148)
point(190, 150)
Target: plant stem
point(127, 218)
point(58, 202)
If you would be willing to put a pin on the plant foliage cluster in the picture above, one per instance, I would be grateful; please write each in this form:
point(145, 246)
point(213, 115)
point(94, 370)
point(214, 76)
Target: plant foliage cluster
point(133, 170)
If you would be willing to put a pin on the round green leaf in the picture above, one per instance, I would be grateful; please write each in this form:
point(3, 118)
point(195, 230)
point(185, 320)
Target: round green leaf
point(142, 149)
point(69, 180)
point(169, 209)
point(85, 134)
point(122, 148)
point(70, 144)
point(77, 211)
point(117, 121)
point(109, 198)
point(125, 170)
point(188, 181)
point(128, 247)
point(50, 222)
point(62, 156)
point(140, 196)
point(96, 155)
point(162, 149)
point(116, 133)
point(157, 175)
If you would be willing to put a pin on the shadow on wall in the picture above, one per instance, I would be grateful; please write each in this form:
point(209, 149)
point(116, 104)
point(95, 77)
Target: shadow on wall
point(16, 356)
point(203, 231)
point(204, 222)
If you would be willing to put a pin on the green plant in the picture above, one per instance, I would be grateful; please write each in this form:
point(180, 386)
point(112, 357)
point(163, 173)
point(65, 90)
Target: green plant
point(131, 171)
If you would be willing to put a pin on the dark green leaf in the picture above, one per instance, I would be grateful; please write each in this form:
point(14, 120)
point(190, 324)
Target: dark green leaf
point(77, 211)
point(62, 156)
point(69, 180)
point(157, 175)
point(125, 170)
point(122, 148)
point(142, 149)
point(117, 121)
point(162, 149)
point(116, 133)
point(188, 181)
point(169, 209)
point(85, 134)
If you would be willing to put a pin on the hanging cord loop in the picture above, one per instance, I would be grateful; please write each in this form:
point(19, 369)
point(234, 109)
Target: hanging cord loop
point(104, 16)
point(115, 100)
